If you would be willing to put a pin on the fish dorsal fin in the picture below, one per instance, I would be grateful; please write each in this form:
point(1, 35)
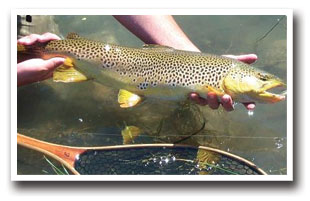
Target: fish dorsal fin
point(73, 35)
point(157, 47)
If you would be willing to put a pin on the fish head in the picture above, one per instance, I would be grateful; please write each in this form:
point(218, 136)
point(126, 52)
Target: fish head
point(248, 84)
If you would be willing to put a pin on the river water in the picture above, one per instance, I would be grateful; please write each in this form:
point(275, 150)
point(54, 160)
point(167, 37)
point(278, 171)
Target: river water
point(87, 114)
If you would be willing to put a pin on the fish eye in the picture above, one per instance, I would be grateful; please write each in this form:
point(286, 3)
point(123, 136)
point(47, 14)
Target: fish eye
point(263, 76)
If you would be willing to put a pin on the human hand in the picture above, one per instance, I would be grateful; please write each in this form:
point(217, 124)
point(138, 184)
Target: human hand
point(225, 100)
point(34, 70)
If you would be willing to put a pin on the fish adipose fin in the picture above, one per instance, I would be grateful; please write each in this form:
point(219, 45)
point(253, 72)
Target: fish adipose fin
point(127, 99)
point(67, 73)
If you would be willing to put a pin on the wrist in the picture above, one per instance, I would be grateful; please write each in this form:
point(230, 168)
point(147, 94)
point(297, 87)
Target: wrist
point(23, 76)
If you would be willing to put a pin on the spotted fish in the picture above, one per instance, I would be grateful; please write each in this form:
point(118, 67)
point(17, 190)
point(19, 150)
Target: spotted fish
point(155, 71)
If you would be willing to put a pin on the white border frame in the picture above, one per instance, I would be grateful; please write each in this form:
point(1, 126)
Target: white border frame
point(287, 12)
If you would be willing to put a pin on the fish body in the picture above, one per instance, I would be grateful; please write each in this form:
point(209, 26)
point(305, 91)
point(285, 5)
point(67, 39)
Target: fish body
point(162, 72)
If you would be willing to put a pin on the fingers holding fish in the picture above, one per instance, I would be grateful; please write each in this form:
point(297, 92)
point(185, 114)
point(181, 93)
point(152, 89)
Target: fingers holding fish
point(34, 70)
point(197, 99)
point(249, 106)
point(33, 38)
point(246, 58)
point(213, 100)
point(227, 103)
point(225, 100)
point(41, 65)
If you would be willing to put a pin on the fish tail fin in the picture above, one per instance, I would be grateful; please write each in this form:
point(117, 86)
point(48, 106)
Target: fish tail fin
point(21, 48)
point(35, 49)
point(25, 52)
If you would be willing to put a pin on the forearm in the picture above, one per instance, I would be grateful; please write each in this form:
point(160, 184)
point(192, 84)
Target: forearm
point(157, 29)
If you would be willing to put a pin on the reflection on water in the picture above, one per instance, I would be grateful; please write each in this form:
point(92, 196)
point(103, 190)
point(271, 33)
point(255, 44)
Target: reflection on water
point(87, 114)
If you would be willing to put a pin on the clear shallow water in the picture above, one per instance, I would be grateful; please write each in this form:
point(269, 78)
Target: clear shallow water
point(87, 114)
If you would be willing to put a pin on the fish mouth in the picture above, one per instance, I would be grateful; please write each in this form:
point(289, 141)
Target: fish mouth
point(272, 92)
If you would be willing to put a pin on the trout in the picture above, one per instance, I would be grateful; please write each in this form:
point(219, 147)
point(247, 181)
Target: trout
point(155, 71)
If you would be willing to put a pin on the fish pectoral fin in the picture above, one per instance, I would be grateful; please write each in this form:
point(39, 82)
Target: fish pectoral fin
point(126, 99)
point(206, 158)
point(129, 133)
point(215, 90)
point(67, 73)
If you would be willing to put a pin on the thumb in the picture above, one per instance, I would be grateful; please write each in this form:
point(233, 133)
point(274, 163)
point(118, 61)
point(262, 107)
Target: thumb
point(246, 58)
point(53, 63)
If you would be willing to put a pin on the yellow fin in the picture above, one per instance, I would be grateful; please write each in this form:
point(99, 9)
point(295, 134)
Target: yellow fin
point(127, 99)
point(21, 48)
point(69, 62)
point(129, 133)
point(67, 73)
point(217, 91)
point(206, 158)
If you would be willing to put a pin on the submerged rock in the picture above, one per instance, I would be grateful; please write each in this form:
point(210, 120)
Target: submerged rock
point(38, 24)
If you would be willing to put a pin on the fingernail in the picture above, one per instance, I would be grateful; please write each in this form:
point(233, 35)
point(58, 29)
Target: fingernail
point(251, 106)
point(24, 40)
point(193, 95)
point(226, 98)
point(253, 56)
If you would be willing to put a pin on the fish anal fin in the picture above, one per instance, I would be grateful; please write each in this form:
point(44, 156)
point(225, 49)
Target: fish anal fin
point(126, 99)
point(67, 73)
